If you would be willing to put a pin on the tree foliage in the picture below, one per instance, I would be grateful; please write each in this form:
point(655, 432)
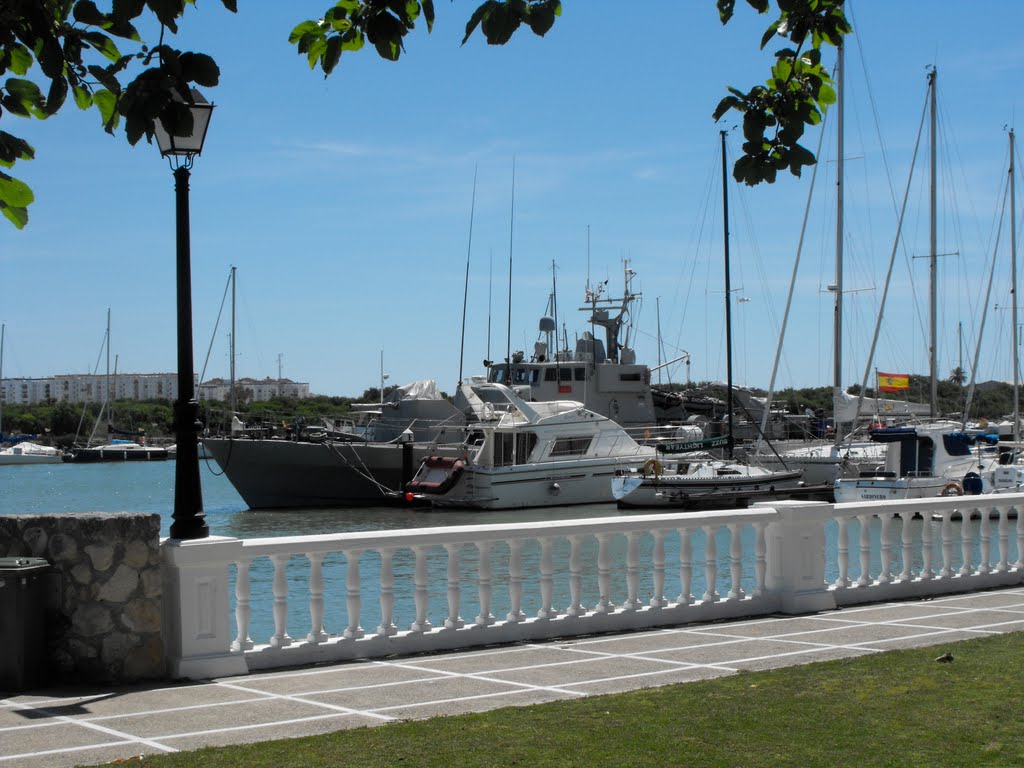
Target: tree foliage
point(50, 49)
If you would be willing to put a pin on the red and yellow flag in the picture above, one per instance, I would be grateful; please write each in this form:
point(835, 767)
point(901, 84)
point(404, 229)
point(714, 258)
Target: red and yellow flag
point(893, 382)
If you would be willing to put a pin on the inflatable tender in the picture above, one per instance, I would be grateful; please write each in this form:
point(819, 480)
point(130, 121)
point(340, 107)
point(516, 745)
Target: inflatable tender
point(436, 475)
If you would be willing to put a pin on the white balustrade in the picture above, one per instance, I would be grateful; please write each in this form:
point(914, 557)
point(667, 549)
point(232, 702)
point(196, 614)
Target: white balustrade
point(788, 557)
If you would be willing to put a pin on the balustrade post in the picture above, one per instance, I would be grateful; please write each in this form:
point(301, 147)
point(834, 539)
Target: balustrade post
point(885, 538)
point(575, 578)
point(907, 539)
point(243, 613)
point(604, 570)
point(421, 623)
point(796, 556)
point(864, 545)
point(515, 582)
point(966, 566)
point(843, 552)
point(454, 620)
point(658, 598)
point(196, 629)
point(1020, 536)
point(927, 545)
point(547, 580)
point(316, 598)
point(632, 602)
point(685, 568)
point(387, 594)
point(947, 545)
point(485, 618)
point(1004, 540)
point(710, 565)
point(735, 562)
point(760, 558)
point(280, 639)
point(985, 536)
point(353, 595)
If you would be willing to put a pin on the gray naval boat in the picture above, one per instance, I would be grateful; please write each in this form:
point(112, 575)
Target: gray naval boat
point(368, 461)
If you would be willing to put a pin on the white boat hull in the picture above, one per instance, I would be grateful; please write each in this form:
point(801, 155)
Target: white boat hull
point(29, 453)
point(689, 491)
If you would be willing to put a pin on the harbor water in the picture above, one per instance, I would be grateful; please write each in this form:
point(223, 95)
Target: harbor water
point(149, 487)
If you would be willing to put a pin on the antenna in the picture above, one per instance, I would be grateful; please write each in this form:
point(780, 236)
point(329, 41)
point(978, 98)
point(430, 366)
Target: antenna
point(511, 224)
point(465, 289)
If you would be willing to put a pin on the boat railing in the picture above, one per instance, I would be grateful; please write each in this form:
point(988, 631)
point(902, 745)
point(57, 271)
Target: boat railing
point(309, 599)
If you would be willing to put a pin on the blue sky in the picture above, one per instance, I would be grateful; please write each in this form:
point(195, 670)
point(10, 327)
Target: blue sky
point(345, 203)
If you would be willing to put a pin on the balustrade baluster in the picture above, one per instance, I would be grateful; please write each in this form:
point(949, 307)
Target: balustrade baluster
point(760, 558)
point(515, 582)
point(947, 545)
point(1004, 539)
point(632, 572)
point(685, 567)
point(658, 598)
point(710, 565)
point(885, 576)
point(575, 578)
point(1020, 536)
point(547, 580)
point(353, 595)
point(485, 618)
point(454, 620)
point(387, 594)
point(843, 551)
point(243, 612)
point(907, 539)
point(316, 598)
point(422, 622)
point(865, 550)
point(927, 545)
point(604, 571)
point(966, 567)
point(280, 638)
point(985, 544)
point(735, 562)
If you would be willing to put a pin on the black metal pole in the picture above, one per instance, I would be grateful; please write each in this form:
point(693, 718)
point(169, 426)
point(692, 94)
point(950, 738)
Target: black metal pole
point(189, 518)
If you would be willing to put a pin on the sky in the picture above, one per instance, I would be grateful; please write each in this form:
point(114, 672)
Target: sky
point(348, 204)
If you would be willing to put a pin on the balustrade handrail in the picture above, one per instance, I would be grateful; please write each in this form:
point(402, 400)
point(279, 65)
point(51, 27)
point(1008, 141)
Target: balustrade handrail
point(930, 506)
point(468, 534)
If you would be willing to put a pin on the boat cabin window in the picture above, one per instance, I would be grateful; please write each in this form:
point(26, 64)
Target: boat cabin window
point(565, 374)
point(513, 448)
point(916, 457)
point(570, 446)
point(629, 377)
point(550, 374)
point(956, 445)
point(496, 374)
point(520, 376)
point(580, 373)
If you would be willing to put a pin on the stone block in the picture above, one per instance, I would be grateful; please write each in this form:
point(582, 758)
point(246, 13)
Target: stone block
point(36, 539)
point(136, 554)
point(62, 548)
point(101, 555)
point(120, 586)
point(91, 619)
point(141, 616)
point(146, 660)
point(152, 582)
point(82, 573)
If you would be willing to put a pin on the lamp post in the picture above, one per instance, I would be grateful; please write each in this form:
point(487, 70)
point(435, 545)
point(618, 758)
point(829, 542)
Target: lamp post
point(189, 518)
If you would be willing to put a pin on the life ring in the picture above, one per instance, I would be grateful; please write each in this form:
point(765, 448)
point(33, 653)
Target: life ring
point(652, 467)
point(488, 411)
point(952, 489)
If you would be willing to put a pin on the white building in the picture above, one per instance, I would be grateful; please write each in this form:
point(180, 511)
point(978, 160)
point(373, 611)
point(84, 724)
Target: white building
point(252, 390)
point(90, 388)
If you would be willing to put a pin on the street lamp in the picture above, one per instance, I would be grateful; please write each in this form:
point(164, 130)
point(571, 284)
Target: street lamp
point(189, 518)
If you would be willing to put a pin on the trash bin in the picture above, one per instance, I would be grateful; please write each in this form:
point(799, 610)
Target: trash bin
point(22, 621)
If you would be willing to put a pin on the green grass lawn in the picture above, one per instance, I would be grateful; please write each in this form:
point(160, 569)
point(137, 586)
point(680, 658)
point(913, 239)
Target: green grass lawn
point(900, 708)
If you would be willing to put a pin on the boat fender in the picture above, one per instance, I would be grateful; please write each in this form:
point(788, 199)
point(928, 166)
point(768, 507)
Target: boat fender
point(652, 467)
point(952, 489)
point(555, 489)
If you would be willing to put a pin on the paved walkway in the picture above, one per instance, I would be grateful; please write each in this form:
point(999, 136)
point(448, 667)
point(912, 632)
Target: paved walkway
point(77, 726)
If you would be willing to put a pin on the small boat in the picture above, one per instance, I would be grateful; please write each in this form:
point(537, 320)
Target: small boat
point(118, 450)
point(30, 453)
point(522, 455)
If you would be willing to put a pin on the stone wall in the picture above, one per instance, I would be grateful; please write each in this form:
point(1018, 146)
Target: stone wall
point(104, 617)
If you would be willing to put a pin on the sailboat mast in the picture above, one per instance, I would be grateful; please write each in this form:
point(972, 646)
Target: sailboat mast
point(465, 287)
point(511, 230)
point(837, 323)
point(933, 269)
point(1013, 294)
point(232, 350)
point(728, 293)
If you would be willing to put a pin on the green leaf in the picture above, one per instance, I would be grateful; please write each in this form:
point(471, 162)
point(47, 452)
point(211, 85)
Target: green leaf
point(20, 59)
point(103, 44)
point(303, 29)
point(352, 40)
point(14, 192)
point(83, 98)
point(58, 93)
point(126, 10)
point(726, 8)
point(428, 13)
point(729, 102)
point(13, 149)
point(477, 17)
point(231, 5)
point(23, 97)
point(332, 54)
point(106, 102)
point(17, 216)
point(106, 78)
point(200, 69)
point(826, 95)
point(86, 12)
point(167, 13)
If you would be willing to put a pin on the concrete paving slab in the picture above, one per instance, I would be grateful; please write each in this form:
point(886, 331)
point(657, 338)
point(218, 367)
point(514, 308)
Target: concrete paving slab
point(257, 732)
point(342, 677)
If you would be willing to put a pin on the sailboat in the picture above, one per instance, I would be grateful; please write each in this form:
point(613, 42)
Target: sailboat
point(677, 480)
point(22, 451)
point(940, 458)
point(118, 449)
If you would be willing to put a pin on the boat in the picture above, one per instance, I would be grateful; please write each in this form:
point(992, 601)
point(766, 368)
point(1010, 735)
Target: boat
point(118, 450)
point(929, 460)
point(21, 450)
point(524, 455)
point(706, 481)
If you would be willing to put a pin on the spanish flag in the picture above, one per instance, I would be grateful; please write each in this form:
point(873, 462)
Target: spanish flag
point(893, 382)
